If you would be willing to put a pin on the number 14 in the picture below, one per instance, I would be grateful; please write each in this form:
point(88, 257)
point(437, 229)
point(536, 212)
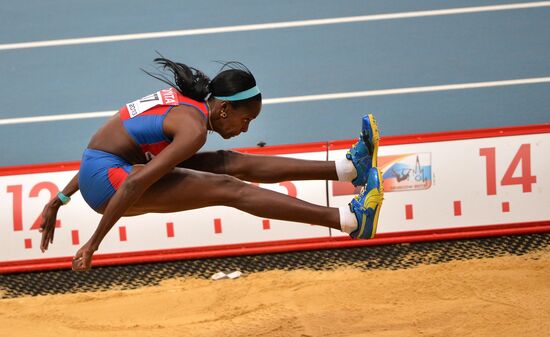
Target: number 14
point(525, 179)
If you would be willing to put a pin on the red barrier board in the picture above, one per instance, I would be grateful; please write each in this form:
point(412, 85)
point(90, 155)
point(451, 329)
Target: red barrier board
point(459, 184)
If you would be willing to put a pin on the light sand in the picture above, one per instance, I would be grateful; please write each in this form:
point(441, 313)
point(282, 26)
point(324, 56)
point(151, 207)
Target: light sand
point(507, 296)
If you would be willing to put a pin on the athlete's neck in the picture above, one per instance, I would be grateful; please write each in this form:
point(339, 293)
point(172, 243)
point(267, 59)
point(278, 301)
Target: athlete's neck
point(209, 127)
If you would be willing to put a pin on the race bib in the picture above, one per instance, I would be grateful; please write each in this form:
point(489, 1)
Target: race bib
point(163, 97)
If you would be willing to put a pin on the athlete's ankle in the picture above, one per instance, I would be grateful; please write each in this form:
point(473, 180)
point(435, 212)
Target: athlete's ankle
point(348, 221)
point(345, 170)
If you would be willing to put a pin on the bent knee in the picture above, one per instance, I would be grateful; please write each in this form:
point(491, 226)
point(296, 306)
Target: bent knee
point(226, 189)
point(235, 163)
point(228, 181)
point(223, 162)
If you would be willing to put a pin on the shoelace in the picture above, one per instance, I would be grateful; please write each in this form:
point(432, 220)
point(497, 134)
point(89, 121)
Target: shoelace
point(354, 145)
point(358, 195)
point(380, 191)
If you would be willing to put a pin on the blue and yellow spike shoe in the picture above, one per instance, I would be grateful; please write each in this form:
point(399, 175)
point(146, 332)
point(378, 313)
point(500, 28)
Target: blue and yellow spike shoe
point(364, 153)
point(366, 206)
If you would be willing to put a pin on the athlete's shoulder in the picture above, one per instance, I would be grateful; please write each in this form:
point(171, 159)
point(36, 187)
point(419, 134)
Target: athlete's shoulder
point(186, 120)
point(184, 100)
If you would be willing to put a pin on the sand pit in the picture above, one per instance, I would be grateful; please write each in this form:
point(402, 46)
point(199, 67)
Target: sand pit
point(505, 296)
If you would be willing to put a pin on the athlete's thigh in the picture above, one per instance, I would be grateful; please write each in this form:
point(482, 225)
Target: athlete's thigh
point(183, 189)
point(210, 161)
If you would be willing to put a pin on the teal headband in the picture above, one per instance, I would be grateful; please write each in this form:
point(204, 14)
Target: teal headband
point(241, 95)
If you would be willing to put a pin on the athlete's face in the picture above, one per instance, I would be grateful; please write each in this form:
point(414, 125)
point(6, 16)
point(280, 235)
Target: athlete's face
point(236, 120)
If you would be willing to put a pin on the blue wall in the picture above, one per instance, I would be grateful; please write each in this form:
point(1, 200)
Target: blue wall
point(349, 57)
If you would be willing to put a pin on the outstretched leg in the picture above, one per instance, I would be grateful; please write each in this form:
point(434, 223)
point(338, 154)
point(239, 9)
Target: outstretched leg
point(353, 167)
point(185, 189)
point(261, 168)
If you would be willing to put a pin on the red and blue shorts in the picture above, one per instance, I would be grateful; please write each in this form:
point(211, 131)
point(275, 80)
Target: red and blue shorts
point(101, 174)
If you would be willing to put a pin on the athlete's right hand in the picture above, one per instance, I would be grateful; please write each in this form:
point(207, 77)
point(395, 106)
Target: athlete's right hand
point(47, 227)
point(82, 261)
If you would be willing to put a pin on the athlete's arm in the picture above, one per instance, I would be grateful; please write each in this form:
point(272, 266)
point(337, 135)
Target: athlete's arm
point(188, 132)
point(49, 214)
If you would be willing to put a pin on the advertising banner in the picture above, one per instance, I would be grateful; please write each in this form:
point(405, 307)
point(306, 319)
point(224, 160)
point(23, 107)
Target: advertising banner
point(437, 186)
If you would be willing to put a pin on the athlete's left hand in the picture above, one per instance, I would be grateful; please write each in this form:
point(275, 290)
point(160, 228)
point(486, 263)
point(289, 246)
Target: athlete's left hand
point(83, 258)
point(47, 227)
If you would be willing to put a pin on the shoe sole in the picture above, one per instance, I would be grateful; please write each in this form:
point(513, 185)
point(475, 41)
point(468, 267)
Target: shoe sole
point(380, 196)
point(377, 212)
point(375, 140)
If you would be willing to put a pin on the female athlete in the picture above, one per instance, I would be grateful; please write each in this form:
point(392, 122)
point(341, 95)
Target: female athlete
point(144, 160)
